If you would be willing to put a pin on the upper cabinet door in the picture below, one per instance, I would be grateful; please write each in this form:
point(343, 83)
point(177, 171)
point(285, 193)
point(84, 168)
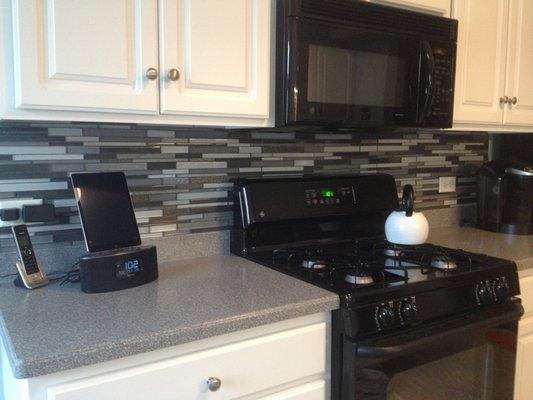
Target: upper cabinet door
point(520, 64)
point(481, 52)
point(85, 55)
point(219, 53)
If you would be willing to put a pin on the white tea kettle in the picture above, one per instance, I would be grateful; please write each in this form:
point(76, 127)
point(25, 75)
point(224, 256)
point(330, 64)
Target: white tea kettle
point(405, 226)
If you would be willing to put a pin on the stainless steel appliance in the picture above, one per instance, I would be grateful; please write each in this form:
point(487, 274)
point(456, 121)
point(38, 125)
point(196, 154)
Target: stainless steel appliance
point(505, 197)
point(415, 321)
point(356, 64)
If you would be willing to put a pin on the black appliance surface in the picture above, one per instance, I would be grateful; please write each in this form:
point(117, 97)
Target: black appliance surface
point(405, 310)
point(355, 64)
point(505, 197)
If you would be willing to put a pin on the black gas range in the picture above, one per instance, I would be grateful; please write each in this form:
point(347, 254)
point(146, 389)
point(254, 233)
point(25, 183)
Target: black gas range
point(404, 309)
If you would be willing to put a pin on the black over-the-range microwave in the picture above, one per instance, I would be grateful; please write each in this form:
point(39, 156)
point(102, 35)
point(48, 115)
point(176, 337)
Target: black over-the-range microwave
point(349, 63)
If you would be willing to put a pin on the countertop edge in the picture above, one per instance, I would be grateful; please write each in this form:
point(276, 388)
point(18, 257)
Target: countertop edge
point(25, 369)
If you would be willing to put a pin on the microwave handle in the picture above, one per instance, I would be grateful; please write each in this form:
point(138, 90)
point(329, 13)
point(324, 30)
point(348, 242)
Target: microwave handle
point(388, 352)
point(427, 89)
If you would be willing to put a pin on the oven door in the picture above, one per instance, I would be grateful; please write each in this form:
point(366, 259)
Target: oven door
point(353, 76)
point(467, 357)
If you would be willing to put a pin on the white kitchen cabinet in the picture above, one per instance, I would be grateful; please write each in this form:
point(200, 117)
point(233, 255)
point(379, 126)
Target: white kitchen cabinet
point(287, 360)
point(520, 64)
point(312, 391)
point(494, 72)
point(481, 54)
point(437, 7)
point(220, 52)
point(524, 361)
point(524, 351)
point(85, 55)
point(77, 60)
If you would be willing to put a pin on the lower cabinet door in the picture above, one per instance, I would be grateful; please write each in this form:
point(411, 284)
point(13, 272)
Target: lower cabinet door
point(242, 369)
point(524, 361)
point(311, 391)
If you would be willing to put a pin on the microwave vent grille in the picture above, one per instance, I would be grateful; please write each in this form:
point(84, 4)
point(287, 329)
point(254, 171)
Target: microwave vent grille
point(377, 15)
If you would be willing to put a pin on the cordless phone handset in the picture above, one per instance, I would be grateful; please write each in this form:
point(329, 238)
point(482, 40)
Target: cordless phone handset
point(31, 276)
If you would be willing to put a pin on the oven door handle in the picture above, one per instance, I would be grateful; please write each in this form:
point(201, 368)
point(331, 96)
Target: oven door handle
point(388, 352)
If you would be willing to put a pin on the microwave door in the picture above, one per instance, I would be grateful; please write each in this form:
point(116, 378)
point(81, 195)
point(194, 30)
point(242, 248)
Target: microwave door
point(350, 76)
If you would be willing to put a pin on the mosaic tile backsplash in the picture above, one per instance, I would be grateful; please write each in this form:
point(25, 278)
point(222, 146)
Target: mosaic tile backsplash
point(180, 177)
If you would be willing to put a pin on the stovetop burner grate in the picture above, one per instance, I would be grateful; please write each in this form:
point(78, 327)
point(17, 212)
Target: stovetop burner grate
point(341, 267)
point(426, 257)
point(369, 262)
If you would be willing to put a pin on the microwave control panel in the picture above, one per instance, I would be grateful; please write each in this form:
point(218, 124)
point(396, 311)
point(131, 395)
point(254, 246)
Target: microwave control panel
point(442, 95)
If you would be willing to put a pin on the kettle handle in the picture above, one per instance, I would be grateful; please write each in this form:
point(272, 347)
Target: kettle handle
point(408, 200)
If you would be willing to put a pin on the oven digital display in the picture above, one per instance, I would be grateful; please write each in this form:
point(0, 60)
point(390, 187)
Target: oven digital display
point(342, 195)
point(328, 194)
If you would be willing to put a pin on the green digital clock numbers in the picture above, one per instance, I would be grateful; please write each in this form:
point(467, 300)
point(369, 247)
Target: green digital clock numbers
point(327, 193)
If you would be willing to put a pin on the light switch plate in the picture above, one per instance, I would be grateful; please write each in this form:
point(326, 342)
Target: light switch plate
point(17, 203)
point(447, 184)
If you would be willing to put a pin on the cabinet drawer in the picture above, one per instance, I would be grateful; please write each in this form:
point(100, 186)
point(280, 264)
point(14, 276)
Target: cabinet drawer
point(526, 290)
point(244, 368)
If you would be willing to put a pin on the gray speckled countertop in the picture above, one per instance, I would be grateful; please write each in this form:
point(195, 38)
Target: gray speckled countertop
point(192, 299)
point(518, 248)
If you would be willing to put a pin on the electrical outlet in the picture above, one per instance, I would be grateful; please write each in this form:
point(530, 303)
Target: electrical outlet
point(17, 203)
point(446, 184)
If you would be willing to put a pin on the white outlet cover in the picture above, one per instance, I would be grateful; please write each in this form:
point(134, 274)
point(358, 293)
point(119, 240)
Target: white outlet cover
point(447, 184)
point(17, 203)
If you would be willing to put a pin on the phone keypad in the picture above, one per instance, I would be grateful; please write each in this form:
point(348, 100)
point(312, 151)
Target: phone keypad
point(31, 267)
point(28, 258)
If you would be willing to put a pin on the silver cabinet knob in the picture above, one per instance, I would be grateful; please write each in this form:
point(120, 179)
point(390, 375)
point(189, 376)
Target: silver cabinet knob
point(513, 100)
point(173, 74)
point(504, 100)
point(151, 73)
point(213, 384)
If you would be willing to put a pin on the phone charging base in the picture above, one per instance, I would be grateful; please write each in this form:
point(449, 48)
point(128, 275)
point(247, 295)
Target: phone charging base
point(18, 282)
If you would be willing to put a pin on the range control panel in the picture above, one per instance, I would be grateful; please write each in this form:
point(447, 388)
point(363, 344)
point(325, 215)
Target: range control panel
point(416, 308)
point(342, 195)
point(400, 311)
point(491, 290)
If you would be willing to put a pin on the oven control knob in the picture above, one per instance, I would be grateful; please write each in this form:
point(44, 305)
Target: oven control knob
point(384, 316)
point(501, 289)
point(408, 311)
point(483, 294)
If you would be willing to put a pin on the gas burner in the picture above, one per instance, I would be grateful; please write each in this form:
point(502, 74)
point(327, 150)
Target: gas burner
point(315, 265)
point(393, 250)
point(357, 277)
point(399, 263)
point(443, 262)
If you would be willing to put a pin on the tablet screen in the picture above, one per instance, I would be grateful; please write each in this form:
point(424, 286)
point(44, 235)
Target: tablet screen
point(106, 211)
